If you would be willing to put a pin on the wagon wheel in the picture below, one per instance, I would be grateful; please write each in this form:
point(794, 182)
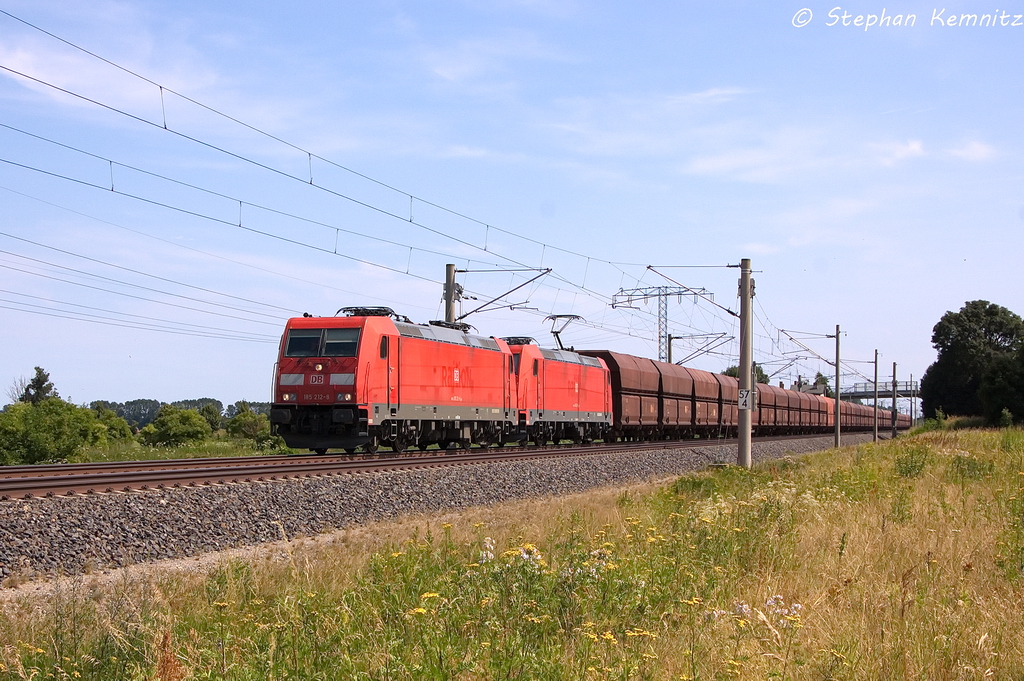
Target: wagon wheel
point(321, 451)
point(465, 444)
point(443, 445)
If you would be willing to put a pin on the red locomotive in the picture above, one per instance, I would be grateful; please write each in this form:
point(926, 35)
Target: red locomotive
point(373, 378)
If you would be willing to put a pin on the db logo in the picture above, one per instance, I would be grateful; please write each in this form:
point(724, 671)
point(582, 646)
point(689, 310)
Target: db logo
point(455, 375)
point(316, 379)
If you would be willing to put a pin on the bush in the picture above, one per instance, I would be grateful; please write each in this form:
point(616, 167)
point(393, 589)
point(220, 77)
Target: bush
point(52, 430)
point(174, 426)
point(911, 463)
point(115, 427)
point(247, 423)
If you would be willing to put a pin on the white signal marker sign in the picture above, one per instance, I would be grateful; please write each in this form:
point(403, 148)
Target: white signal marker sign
point(746, 399)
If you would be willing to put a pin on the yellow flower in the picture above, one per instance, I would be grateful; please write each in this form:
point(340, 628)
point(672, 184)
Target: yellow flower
point(478, 526)
point(428, 595)
point(417, 611)
point(609, 636)
point(446, 526)
point(396, 554)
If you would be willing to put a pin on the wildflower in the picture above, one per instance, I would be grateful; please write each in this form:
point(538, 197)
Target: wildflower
point(485, 644)
point(417, 611)
point(609, 636)
point(485, 602)
point(640, 632)
point(396, 554)
point(427, 595)
point(742, 610)
point(478, 526)
point(446, 526)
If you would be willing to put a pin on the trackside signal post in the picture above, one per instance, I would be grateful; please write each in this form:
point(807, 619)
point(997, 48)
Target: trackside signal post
point(748, 398)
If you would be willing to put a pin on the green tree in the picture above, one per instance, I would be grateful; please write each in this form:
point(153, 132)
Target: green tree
point(52, 430)
point(759, 375)
point(969, 342)
point(139, 413)
point(1001, 391)
point(116, 428)
point(39, 388)
point(822, 379)
point(247, 423)
point(211, 411)
point(175, 426)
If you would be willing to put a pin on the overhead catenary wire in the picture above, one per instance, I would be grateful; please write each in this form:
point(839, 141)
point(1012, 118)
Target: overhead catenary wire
point(145, 323)
point(310, 156)
point(306, 152)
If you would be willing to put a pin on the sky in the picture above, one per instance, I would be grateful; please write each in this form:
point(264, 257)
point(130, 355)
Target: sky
point(179, 178)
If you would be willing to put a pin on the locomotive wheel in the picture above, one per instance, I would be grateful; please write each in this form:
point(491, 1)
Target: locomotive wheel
point(350, 450)
point(400, 445)
point(465, 445)
point(371, 446)
point(321, 451)
point(443, 445)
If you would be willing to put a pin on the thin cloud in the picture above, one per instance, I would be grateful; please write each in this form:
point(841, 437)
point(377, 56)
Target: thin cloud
point(891, 153)
point(974, 151)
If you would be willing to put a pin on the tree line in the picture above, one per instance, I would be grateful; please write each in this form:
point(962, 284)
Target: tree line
point(41, 427)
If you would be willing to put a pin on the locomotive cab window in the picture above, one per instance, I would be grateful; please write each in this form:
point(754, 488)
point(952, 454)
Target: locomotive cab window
point(383, 347)
point(322, 343)
point(341, 342)
point(303, 343)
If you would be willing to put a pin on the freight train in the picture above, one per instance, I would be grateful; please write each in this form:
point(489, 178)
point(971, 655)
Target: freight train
point(368, 377)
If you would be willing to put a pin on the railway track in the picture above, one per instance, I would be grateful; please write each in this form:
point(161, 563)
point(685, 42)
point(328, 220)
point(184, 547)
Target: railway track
point(21, 482)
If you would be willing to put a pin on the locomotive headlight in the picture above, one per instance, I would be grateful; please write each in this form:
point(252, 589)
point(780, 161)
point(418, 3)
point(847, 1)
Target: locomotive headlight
point(289, 397)
point(319, 367)
point(344, 397)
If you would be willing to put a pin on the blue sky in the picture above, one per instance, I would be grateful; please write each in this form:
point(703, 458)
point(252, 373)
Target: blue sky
point(873, 176)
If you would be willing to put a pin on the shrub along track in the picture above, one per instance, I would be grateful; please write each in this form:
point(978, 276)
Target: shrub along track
point(71, 534)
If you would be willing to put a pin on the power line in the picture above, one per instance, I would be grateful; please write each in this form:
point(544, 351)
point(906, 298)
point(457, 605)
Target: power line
point(183, 246)
point(129, 295)
point(135, 326)
point(144, 274)
point(200, 327)
point(309, 154)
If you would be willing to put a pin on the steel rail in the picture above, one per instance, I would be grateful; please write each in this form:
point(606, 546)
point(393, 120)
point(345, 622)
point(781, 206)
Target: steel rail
point(71, 479)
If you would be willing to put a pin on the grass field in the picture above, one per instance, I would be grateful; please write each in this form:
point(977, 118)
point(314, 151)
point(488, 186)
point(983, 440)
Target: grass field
point(897, 560)
point(132, 450)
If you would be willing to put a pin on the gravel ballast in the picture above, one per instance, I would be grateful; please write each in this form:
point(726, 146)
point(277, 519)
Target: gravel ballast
point(71, 535)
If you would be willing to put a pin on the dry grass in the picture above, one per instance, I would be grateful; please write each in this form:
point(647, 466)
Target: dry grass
point(901, 560)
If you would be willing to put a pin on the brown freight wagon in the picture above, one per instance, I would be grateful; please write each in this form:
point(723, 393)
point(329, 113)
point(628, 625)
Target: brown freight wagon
point(635, 385)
